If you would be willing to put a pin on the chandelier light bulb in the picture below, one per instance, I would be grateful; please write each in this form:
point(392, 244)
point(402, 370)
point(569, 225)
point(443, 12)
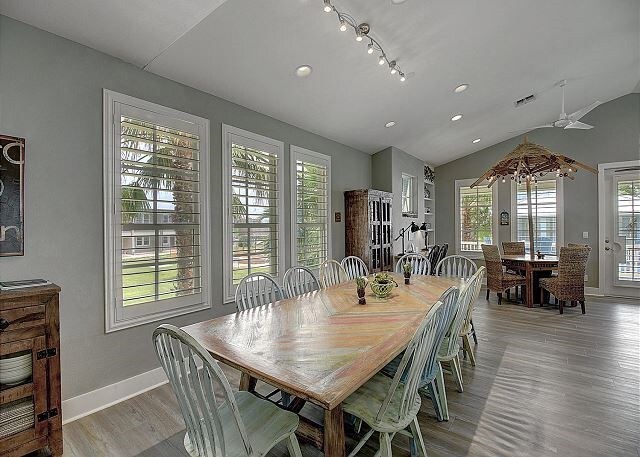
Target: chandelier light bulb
point(393, 71)
point(327, 6)
point(358, 35)
point(381, 61)
point(343, 25)
point(402, 77)
point(370, 48)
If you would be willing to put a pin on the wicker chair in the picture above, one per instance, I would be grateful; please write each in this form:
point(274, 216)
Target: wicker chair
point(497, 279)
point(569, 284)
point(513, 248)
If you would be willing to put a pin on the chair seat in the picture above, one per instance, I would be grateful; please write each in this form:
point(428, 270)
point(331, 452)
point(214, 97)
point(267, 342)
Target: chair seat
point(443, 355)
point(366, 401)
point(266, 425)
point(549, 283)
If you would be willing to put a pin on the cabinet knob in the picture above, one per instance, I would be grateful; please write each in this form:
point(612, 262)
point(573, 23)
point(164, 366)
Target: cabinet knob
point(4, 323)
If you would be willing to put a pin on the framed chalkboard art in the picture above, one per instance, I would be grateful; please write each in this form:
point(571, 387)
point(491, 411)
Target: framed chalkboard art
point(11, 196)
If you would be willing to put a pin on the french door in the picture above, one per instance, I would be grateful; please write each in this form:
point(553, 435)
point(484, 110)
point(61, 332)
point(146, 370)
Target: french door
point(621, 243)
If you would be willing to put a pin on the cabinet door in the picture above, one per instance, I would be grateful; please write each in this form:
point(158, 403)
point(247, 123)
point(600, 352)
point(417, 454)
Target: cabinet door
point(23, 392)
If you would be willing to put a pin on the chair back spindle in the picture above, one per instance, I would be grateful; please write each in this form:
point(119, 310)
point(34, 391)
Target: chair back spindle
point(331, 274)
point(354, 266)
point(257, 289)
point(420, 265)
point(298, 281)
point(456, 266)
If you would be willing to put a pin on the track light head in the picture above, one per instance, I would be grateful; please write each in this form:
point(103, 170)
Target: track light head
point(327, 6)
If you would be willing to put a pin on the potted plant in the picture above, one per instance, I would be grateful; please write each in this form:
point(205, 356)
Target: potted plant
point(382, 285)
point(406, 269)
point(361, 283)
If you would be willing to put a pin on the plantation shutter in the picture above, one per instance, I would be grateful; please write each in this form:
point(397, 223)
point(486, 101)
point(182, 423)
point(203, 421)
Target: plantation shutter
point(255, 193)
point(311, 231)
point(159, 208)
point(545, 219)
point(476, 217)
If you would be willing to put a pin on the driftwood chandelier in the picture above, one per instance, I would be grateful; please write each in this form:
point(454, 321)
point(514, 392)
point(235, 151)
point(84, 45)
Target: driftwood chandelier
point(528, 162)
point(362, 30)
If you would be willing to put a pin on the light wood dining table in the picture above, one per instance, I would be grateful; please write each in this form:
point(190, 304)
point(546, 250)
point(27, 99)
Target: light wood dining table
point(321, 346)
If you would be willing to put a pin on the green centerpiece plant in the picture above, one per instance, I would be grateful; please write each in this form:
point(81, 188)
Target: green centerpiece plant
point(382, 285)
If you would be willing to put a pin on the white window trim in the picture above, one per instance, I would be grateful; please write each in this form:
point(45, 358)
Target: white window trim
point(115, 317)
point(559, 211)
point(295, 153)
point(494, 213)
point(413, 198)
point(229, 289)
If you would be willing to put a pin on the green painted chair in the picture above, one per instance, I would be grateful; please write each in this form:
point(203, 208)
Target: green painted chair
point(390, 405)
point(450, 346)
point(239, 424)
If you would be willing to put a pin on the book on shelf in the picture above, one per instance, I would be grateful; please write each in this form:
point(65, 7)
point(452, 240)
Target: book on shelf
point(23, 284)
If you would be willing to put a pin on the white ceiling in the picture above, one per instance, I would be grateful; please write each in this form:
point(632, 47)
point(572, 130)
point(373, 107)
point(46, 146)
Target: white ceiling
point(246, 51)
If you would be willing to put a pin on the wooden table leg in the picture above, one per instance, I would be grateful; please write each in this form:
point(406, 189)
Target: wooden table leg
point(529, 286)
point(247, 382)
point(334, 433)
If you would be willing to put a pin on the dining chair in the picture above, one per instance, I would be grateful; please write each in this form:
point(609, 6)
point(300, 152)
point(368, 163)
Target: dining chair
point(568, 285)
point(468, 329)
point(499, 280)
point(257, 289)
point(441, 255)
point(219, 422)
point(513, 248)
point(420, 265)
point(456, 266)
point(450, 346)
point(332, 273)
point(460, 267)
point(354, 266)
point(434, 253)
point(390, 405)
point(428, 385)
point(299, 280)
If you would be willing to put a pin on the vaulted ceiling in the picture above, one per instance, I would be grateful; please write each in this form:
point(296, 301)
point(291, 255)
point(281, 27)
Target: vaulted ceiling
point(246, 51)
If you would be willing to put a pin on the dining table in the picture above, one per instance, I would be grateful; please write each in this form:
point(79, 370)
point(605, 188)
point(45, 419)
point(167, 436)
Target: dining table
point(533, 269)
point(321, 346)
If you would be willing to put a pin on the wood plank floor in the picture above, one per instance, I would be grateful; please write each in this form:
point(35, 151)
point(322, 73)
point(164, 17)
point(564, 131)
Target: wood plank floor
point(545, 385)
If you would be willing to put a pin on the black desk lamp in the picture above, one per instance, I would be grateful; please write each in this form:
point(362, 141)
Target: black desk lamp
point(414, 228)
point(423, 228)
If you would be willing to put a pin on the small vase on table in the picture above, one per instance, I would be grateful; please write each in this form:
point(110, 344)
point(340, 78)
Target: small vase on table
point(361, 283)
point(406, 269)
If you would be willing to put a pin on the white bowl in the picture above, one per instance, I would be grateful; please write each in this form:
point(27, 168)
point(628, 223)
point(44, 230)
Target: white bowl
point(13, 361)
point(9, 366)
point(14, 379)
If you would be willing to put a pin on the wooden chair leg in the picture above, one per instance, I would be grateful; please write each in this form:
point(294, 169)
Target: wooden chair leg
point(508, 294)
point(499, 298)
point(416, 434)
point(487, 293)
point(441, 392)
point(466, 345)
point(541, 297)
point(457, 373)
point(385, 445)
point(293, 446)
point(582, 306)
point(561, 305)
point(473, 332)
point(432, 391)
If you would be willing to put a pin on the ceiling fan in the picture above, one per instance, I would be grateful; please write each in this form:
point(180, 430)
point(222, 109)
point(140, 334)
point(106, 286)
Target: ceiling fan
point(570, 121)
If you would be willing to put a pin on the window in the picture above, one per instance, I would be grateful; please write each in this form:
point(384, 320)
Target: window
point(156, 181)
point(475, 217)
point(252, 176)
point(546, 199)
point(409, 195)
point(311, 199)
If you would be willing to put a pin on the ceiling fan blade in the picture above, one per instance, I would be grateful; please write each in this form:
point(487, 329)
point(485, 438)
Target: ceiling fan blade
point(579, 125)
point(578, 114)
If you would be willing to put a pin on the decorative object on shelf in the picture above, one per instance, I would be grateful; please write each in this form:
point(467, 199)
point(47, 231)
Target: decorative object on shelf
point(527, 162)
point(427, 191)
point(504, 218)
point(382, 284)
point(11, 195)
point(406, 270)
point(427, 210)
point(539, 254)
point(361, 283)
point(429, 174)
point(362, 32)
point(413, 227)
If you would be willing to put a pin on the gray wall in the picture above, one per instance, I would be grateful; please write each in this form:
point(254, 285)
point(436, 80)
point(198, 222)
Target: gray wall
point(51, 94)
point(614, 138)
point(387, 167)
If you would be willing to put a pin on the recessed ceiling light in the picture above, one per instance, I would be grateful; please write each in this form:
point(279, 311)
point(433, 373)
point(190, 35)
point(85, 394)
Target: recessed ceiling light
point(461, 88)
point(303, 71)
point(477, 140)
point(397, 2)
point(457, 117)
point(390, 124)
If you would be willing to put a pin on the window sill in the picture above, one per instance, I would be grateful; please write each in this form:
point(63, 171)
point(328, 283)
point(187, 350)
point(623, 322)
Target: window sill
point(114, 326)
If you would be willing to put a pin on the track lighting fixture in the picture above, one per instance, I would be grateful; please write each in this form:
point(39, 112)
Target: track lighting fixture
point(362, 33)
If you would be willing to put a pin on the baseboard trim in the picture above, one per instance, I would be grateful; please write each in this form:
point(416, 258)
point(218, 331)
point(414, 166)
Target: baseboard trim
point(594, 291)
point(88, 403)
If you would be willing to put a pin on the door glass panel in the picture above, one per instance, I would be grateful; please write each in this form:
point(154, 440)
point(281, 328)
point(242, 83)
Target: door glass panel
point(628, 230)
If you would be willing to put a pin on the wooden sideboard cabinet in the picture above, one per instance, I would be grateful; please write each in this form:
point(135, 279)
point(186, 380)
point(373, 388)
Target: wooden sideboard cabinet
point(369, 227)
point(30, 328)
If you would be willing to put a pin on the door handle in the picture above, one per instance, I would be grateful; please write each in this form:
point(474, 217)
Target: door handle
point(607, 248)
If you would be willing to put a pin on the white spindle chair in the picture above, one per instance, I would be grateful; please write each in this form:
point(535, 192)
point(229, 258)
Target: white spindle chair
point(354, 266)
point(450, 346)
point(257, 289)
point(456, 266)
point(331, 274)
point(390, 405)
point(420, 265)
point(239, 423)
point(298, 281)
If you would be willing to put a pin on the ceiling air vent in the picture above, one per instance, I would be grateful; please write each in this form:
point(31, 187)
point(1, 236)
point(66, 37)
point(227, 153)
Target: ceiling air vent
point(525, 100)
